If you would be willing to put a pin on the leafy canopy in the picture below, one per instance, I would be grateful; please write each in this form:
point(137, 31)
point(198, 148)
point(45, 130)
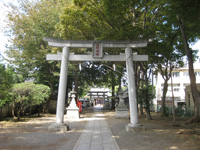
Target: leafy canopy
point(6, 82)
point(30, 94)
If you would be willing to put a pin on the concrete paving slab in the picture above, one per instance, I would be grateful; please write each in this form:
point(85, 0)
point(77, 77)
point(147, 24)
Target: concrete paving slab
point(83, 147)
point(96, 136)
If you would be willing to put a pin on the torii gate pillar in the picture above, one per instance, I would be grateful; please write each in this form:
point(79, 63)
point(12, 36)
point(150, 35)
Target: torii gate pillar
point(62, 86)
point(131, 91)
point(60, 125)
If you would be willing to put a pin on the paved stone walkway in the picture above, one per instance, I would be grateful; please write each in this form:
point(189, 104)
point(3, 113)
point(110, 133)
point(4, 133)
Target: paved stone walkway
point(97, 136)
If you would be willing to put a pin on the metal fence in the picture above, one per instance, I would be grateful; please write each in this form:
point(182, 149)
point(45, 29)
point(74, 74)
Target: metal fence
point(179, 111)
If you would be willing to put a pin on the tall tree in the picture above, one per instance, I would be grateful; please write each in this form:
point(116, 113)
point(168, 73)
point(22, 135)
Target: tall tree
point(168, 51)
point(187, 16)
point(6, 83)
point(29, 22)
point(165, 66)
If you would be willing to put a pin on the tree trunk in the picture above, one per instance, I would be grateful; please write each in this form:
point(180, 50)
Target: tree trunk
point(133, 14)
point(163, 111)
point(67, 101)
point(148, 115)
point(141, 102)
point(18, 114)
point(173, 107)
point(30, 110)
point(138, 83)
point(141, 108)
point(76, 84)
point(1, 114)
point(23, 112)
point(46, 107)
point(193, 85)
point(113, 92)
point(39, 110)
point(119, 82)
point(13, 110)
point(51, 85)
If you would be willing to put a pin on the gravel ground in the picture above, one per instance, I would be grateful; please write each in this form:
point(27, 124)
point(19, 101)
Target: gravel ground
point(33, 134)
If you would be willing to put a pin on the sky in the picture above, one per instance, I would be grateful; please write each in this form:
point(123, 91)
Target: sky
point(196, 46)
point(4, 39)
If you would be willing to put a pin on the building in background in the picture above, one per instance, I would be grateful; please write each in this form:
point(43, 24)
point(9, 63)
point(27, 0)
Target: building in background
point(180, 79)
point(188, 96)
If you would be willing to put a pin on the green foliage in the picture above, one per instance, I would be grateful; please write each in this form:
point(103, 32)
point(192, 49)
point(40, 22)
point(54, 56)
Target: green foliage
point(99, 74)
point(29, 94)
point(29, 22)
point(189, 11)
point(82, 21)
point(123, 20)
point(22, 93)
point(40, 94)
point(146, 96)
point(6, 82)
point(97, 20)
point(108, 20)
point(17, 78)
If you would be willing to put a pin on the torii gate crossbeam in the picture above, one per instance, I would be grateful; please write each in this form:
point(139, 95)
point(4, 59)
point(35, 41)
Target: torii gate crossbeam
point(65, 56)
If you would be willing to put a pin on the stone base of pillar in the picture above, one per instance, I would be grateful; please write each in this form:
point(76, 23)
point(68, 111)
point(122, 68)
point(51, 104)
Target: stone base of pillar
point(58, 127)
point(134, 127)
point(72, 113)
point(121, 113)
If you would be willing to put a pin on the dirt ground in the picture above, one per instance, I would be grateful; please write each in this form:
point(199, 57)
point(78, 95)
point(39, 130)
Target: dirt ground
point(159, 134)
point(33, 134)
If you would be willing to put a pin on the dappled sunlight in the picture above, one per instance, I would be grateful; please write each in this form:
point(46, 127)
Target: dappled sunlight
point(22, 138)
point(116, 137)
point(173, 147)
point(35, 135)
point(169, 137)
point(160, 130)
point(83, 119)
point(88, 119)
point(99, 115)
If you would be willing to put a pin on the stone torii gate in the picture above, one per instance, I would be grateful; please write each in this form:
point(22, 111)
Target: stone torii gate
point(97, 46)
point(99, 94)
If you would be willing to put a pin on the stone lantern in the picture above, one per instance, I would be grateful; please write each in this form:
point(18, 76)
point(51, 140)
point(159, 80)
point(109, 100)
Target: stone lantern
point(121, 110)
point(72, 109)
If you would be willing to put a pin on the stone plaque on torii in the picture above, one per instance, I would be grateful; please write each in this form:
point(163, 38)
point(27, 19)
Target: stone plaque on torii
point(97, 55)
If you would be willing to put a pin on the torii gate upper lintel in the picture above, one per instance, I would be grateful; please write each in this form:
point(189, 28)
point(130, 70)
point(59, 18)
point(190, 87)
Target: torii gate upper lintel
point(97, 46)
point(89, 43)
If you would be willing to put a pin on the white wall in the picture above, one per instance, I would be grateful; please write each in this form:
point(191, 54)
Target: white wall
point(178, 83)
